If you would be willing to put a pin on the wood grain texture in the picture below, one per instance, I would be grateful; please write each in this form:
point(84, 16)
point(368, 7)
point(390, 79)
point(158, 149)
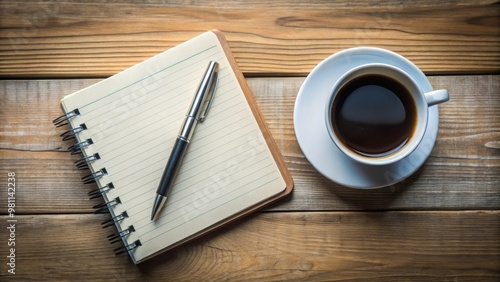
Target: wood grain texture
point(301, 246)
point(97, 38)
point(463, 171)
point(441, 224)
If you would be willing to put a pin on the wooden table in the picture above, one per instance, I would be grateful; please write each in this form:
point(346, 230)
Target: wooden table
point(441, 224)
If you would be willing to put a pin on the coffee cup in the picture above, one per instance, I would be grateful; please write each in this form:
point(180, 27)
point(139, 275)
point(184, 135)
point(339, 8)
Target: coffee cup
point(377, 114)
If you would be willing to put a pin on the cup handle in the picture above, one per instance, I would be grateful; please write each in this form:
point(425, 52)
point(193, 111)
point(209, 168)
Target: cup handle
point(436, 97)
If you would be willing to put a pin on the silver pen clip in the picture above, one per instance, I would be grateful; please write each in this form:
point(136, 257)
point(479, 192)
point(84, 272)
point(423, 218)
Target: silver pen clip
point(214, 83)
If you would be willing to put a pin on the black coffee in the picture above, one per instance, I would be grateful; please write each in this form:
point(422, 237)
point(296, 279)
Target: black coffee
point(373, 115)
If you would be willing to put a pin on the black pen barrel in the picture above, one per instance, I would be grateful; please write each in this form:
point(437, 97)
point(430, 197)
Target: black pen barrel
point(173, 165)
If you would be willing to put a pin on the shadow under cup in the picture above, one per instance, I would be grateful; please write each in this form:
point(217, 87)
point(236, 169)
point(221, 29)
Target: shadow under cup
point(377, 114)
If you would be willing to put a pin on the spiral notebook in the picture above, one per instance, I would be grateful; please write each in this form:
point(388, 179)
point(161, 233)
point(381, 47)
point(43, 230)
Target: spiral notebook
point(125, 127)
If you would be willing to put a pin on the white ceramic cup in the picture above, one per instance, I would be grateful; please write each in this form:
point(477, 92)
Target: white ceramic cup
point(421, 100)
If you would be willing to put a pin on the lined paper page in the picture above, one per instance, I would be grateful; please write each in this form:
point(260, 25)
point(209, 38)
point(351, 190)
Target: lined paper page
point(133, 119)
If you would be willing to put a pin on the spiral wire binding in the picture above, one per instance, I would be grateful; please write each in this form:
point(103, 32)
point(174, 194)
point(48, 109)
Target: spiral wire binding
point(117, 237)
point(104, 207)
point(93, 177)
point(114, 219)
point(128, 247)
point(96, 193)
point(78, 147)
point(70, 134)
point(63, 120)
point(84, 163)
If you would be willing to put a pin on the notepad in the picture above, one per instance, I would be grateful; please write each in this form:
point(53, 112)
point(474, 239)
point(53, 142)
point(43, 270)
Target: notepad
point(125, 127)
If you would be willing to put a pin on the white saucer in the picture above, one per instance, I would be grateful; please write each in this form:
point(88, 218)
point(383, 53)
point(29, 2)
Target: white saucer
point(315, 142)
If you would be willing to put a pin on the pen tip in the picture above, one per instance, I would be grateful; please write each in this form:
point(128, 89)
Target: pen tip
point(159, 202)
point(154, 212)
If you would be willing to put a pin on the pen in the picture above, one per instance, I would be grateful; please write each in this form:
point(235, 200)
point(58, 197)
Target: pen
point(208, 84)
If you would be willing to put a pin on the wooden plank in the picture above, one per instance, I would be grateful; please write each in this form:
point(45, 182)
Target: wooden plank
point(97, 38)
point(463, 171)
point(301, 246)
point(47, 181)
